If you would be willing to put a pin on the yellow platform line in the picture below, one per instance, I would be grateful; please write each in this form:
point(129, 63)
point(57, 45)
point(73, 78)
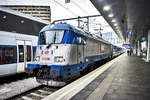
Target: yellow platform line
point(21, 72)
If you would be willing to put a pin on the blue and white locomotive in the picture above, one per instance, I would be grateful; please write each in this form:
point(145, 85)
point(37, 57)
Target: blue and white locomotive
point(64, 52)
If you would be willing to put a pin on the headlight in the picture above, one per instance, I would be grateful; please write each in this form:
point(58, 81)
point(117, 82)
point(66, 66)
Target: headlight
point(37, 58)
point(59, 59)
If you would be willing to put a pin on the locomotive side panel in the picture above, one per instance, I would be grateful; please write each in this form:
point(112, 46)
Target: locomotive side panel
point(96, 50)
point(91, 47)
point(105, 48)
point(80, 54)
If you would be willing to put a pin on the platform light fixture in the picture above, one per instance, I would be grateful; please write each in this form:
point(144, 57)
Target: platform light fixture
point(106, 8)
point(115, 24)
point(117, 28)
point(110, 15)
point(22, 21)
point(113, 20)
point(4, 17)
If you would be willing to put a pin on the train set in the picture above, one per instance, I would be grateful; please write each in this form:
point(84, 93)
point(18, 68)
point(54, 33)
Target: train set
point(65, 51)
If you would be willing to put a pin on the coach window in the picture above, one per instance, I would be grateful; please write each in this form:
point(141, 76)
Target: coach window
point(21, 53)
point(7, 56)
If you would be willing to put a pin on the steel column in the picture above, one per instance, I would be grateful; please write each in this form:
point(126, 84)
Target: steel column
point(138, 48)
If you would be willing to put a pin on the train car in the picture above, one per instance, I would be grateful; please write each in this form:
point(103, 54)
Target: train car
point(117, 50)
point(64, 52)
point(16, 51)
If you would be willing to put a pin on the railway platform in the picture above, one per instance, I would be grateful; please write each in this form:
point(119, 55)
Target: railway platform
point(124, 78)
point(128, 80)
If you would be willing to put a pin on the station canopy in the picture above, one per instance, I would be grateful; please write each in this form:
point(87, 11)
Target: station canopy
point(130, 19)
point(13, 21)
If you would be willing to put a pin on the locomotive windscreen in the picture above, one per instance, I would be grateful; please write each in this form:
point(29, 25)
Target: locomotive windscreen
point(51, 37)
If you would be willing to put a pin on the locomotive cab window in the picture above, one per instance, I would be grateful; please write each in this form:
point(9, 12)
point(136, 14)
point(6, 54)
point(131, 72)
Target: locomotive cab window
point(84, 40)
point(81, 40)
point(51, 37)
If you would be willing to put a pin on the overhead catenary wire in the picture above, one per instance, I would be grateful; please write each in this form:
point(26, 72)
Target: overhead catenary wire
point(65, 8)
point(79, 7)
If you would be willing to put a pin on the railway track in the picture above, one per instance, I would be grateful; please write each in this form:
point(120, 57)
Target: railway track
point(37, 93)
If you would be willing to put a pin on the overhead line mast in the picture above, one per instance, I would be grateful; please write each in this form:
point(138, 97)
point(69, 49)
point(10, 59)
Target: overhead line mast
point(65, 8)
point(78, 19)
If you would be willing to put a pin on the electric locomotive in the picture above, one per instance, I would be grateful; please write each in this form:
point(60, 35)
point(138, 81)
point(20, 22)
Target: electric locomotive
point(64, 52)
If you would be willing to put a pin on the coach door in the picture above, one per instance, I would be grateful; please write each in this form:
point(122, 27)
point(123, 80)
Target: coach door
point(24, 55)
point(20, 56)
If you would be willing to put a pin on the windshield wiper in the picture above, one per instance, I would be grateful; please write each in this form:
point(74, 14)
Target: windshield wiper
point(55, 37)
point(49, 45)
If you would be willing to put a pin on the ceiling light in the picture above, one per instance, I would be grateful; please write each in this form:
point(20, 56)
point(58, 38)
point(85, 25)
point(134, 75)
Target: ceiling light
point(22, 21)
point(115, 24)
point(113, 20)
point(106, 8)
point(110, 15)
point(4, 17)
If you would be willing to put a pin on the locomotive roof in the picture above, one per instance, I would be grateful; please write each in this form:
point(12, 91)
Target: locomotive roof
point(61, 26)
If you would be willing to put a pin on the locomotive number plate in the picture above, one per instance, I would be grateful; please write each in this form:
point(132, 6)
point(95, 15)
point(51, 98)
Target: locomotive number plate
point(45, 58)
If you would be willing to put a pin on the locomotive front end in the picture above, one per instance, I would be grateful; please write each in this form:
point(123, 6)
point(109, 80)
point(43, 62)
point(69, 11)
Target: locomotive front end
point(51, 56)
point(59, 54)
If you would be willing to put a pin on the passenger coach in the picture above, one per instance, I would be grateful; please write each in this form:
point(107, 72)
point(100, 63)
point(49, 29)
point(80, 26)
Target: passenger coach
point(16, 51)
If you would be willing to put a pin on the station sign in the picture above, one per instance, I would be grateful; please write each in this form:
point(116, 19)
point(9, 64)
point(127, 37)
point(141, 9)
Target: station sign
point(128, 33)
point(127, 46)
point(143, 39)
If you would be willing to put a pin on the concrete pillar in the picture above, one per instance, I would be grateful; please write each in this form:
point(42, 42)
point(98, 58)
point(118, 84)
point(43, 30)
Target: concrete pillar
point(148, 47)
point(134, 49)
point(138, 48)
